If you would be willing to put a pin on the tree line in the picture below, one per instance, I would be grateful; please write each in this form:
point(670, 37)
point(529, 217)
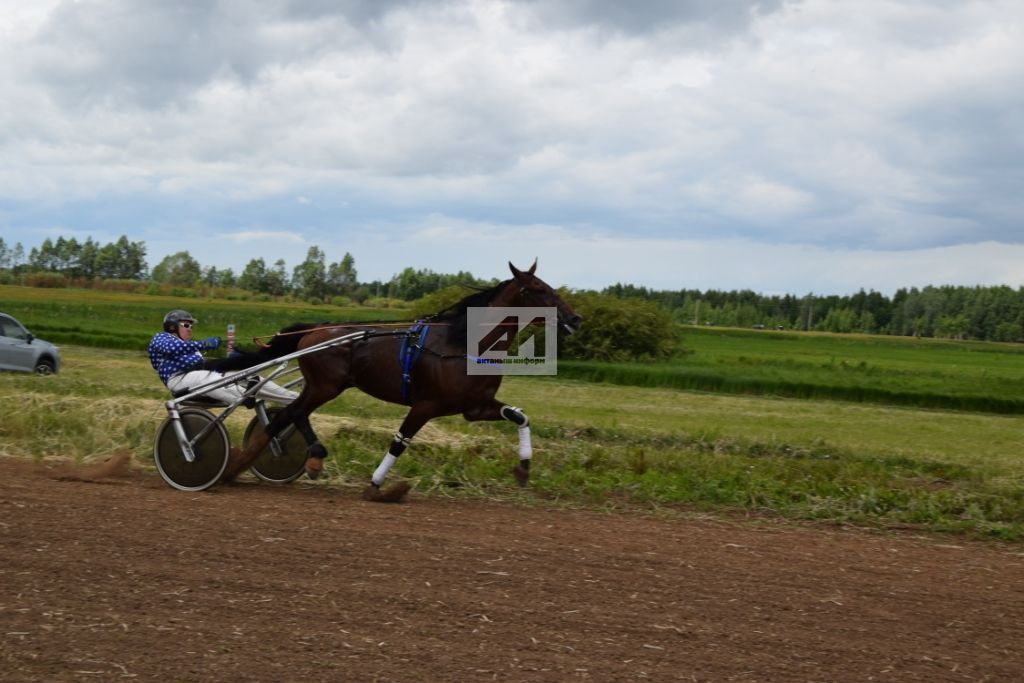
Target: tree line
point(954, 312)
point(120, 260)
point(68, 262)
point(994, 313)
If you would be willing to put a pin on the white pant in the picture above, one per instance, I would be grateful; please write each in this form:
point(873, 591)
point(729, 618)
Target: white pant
point(190, 381)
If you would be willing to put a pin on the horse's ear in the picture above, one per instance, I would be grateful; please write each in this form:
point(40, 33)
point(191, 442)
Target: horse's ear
point(518, 273)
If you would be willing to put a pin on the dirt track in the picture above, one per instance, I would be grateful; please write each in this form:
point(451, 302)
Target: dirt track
point(121, 578)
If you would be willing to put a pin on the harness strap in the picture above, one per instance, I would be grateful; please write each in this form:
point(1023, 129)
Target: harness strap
point(409, 352)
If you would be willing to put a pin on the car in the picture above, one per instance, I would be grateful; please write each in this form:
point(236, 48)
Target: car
point(21, 350)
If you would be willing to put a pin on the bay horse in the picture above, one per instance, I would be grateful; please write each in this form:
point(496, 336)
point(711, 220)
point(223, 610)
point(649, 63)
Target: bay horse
point(436, 385)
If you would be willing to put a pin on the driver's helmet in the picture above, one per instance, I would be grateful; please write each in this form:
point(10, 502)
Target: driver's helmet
point(176, 316)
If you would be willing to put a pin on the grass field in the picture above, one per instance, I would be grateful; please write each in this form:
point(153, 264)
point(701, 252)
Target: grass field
point(127, 321)
point(881, 461)
point(600, 445)
point(931, 373)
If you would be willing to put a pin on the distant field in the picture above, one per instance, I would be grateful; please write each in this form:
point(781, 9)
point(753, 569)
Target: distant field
point(127, 321)
point(929, 373)
point(980, 376)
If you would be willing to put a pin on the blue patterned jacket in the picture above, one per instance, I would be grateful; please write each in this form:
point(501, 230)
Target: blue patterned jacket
point(169, 355)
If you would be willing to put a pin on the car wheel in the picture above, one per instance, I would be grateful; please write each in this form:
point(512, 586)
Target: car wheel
point(44, 367)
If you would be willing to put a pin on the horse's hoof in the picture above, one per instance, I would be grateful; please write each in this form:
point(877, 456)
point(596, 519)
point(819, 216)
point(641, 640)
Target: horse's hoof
point(395, 493)
point(522, 475)
point(233, 467)
point(314, 467)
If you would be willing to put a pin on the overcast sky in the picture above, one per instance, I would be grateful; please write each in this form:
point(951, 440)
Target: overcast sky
point(781, 146)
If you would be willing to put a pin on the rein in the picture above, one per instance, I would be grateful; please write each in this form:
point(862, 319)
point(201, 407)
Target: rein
point(412, 331)
point(417, 328)
point(258, 342)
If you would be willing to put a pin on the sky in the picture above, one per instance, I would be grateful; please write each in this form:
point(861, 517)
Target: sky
point(804, 146)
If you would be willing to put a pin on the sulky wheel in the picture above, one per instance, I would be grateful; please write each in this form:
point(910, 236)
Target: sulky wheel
point(269, 466)
point(211, 451)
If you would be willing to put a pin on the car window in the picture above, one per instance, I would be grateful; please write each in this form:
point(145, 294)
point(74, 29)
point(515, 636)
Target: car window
point(9, 328)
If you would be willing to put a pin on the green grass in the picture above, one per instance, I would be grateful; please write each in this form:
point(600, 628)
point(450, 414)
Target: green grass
point(972, 376)
point(975, 376)
point(603, 446)
point(900, 432)
point(127, 321)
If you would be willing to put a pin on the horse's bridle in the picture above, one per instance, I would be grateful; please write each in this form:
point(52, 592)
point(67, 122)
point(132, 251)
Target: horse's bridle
point(525, 293)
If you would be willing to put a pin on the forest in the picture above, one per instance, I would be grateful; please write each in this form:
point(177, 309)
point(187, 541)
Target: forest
point(943, 311)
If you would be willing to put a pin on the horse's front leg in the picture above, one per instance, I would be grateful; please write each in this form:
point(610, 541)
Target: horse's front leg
point(496, 410)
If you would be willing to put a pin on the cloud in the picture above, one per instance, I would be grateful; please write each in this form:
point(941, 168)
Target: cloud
point(262, 236)
point(714, 18)
point(585, 258)
point(891, 129)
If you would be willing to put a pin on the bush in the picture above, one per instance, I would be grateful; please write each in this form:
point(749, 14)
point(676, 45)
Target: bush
point(46, 279)
point(435, 302)
point(385, 302)
point(1007, 332)
point(116, 285)
point(361, 294)
point(619, 329)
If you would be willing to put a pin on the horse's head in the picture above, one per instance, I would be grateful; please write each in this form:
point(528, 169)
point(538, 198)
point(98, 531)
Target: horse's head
point(530, 290)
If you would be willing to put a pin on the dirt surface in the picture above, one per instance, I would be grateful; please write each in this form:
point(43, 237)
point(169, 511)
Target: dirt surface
point(110, 576)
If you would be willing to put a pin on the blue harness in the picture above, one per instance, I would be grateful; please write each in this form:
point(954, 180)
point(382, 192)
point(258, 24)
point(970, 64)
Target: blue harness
point(409, 352)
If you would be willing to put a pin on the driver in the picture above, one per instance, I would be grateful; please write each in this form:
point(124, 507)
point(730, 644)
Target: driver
point(177, 359)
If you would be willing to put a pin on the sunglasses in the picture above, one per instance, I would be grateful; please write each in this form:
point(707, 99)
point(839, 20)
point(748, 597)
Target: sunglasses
point(187, 326)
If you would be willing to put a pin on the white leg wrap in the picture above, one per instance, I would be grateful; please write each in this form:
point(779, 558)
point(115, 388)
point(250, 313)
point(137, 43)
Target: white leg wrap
point(525, 446)
point(382, 469)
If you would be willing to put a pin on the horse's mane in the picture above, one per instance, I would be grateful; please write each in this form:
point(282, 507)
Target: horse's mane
point(455, 315)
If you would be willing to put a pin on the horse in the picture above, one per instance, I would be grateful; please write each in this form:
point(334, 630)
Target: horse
point(436, 385)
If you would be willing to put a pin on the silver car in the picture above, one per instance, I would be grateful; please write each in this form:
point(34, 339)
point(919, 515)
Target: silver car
point(20, 350)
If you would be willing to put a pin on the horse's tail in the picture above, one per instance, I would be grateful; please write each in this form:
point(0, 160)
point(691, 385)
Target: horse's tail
point(286, 341)
point(281, 344)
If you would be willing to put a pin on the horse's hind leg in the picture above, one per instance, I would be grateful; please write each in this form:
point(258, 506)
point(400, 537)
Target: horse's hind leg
point(420, 414)
point(240, 460)
point(297, 412)
point(315, 451)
